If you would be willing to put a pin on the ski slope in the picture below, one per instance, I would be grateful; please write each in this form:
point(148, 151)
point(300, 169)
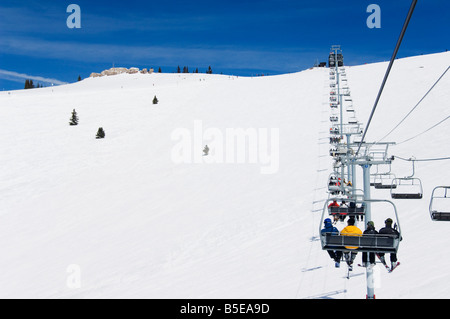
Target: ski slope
point(136, 223)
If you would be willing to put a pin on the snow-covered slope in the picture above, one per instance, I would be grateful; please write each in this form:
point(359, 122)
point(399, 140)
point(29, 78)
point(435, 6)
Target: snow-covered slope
point(136, 223)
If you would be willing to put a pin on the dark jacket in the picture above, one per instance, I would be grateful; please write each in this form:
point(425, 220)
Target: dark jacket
point(388, 230)
point(370, 231)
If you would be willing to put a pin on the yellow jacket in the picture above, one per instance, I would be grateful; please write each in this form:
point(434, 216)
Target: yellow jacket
point(351, 231)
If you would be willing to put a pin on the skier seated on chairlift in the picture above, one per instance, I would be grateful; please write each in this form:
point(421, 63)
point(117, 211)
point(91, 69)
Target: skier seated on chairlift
point(388, 230)
point(332, 181)
point(333, 204)
point(343, 205)
point(351, 230)
point(370, 230)
point(330, 229)
point(352, 206)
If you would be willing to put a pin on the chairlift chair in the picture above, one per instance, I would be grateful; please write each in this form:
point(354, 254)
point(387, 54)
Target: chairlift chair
point(334, 118)
point(338, 151)
point(384, 181)
point(406, 188)
point(357, 210)
point(335, 183)
point(440, 194)
point(352, 120)
point(334, 131)
point(376, 243)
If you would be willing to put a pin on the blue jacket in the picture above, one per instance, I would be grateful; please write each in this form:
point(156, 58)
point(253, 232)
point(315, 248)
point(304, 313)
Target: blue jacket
point(329, 228)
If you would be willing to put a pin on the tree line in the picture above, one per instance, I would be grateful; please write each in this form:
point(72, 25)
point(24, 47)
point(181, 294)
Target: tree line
point(186, 70)
point(30, 85)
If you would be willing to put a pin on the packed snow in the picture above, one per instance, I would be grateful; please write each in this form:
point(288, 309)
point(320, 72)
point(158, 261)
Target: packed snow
point(142, 214)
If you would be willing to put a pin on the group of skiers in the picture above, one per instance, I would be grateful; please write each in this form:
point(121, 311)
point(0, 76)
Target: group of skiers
point(368, 259)
point(344, 204)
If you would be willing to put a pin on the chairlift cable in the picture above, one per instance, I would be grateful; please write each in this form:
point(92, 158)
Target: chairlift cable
point(397, 47)
point(409, 113)
point(407, 140)
point(423, 160)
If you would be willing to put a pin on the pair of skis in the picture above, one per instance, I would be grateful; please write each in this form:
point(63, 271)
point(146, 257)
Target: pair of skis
point(389, 269)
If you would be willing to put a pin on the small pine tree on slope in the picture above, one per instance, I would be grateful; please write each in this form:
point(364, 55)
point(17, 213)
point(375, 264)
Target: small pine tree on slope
point(74, 119)
point(100, 133)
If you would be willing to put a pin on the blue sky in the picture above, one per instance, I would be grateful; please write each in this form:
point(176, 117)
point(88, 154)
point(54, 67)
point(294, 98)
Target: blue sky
point(242, 37)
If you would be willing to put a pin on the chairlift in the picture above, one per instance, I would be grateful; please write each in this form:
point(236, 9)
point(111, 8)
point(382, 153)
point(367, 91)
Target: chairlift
point(406, 188)
point(334, 131)
point(355, 208)
point(335, 184)
point(439, 204)
point(334, 118)
point(384, 181)
point(352, 120)
point(374, 243)
point(335, 140)
point(338, 151)
point(409, 187)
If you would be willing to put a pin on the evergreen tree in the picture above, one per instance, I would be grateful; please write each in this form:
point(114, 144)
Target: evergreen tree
point(29, 84)
point(74, 119)
point(155, 100)
point(159, 70)
point(196, 70)
point(79, 78)
point(178, 69)
point(100, 133)
point(209, 71)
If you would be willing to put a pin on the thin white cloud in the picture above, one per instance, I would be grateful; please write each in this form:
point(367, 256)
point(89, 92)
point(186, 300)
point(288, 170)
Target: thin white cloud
point(286, 60)
point(19, 77)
